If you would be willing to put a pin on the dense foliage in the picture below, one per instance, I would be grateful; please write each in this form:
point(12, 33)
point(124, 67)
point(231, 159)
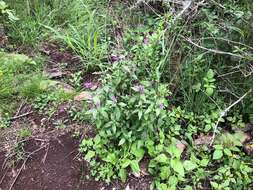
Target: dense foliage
point(176, 85)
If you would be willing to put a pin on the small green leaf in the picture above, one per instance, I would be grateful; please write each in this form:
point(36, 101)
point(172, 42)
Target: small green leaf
point(135, 166)
point(227, 152)
point(204, 162)
point(209, 91)
point(122, 141)
point(140, 114)
point(123, 175)
point(174, 151)
point(219, 147)
point(210, 74)
point(162, 186)
point(217, 154)
point(215, 185)
point(90, 154)
point(188, 188)
point(111, 158)
point(138, 152)
point(126, 163)
point(104, 114)
point(197, 87)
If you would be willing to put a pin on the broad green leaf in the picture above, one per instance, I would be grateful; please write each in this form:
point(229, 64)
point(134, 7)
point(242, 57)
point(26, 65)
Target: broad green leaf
point(204, 162)
point(111, 158)
point(209, 91)
point(219, 147)
point(126, 163)
point(104, 114)
point(227, 152)
point(174, 151)
point(162, 186)
point(214, 185)
point(165, 172)
point(173, 181)
point(188, 188)
point(162, 158)
point(189, 165)
point(217, 154)
point(138, 152)
point(177, 166)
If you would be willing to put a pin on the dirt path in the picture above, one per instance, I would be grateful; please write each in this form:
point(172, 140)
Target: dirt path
point(56, 165)
point(53, 166)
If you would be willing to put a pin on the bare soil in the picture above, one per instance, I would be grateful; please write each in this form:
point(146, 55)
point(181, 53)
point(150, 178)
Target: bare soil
point(51, 165)
point(55, 165)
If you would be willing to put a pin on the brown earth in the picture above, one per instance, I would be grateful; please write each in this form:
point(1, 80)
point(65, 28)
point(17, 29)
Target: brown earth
point(55, 165)
point(52, 165)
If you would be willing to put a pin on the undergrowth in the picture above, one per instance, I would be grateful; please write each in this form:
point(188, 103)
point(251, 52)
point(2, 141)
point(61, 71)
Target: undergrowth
point(176, 85)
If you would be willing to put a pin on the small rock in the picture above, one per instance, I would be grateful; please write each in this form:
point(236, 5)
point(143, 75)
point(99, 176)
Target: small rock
point(144, 168)
point(52, 74)
point(245, 137)
point(249, 148)
point(90, 85)
point(138, 175)
point(127, 187)
point(203, 140)
point(65, 87)
point(83, 96)
point(180, 145)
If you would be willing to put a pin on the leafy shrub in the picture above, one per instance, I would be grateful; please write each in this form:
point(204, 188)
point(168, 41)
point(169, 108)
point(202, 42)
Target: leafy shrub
point(136, 118)
point(6, 13)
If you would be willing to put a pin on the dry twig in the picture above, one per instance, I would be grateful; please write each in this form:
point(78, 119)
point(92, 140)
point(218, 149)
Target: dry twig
point(224, 112)
point(214, 50)
point(22, 115)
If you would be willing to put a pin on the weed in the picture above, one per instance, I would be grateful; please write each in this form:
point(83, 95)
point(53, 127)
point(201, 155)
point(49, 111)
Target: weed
point(48, 102)
point(76, 79)
point(19, 78)
point(4, 120)
point(24, 133)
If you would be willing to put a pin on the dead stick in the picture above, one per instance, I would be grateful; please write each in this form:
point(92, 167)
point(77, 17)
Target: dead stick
point(19, 116)
point(19, 109)
point(223, 113)
point(214, 50)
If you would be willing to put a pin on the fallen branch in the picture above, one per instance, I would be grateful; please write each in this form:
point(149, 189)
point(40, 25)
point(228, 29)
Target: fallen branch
point(224, 112)
point(20, 108)
point(22, 115)
point(214, 50)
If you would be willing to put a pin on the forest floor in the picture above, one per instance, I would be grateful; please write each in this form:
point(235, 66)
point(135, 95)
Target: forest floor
point(49, 158)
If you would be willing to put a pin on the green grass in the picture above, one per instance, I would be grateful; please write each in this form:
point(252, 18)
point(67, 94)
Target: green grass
point(20, 77)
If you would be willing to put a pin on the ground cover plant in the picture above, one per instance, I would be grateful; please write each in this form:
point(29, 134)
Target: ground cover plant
point(166, 86)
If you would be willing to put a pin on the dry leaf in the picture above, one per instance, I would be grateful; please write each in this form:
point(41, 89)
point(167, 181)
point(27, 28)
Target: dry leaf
point(83, 96)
